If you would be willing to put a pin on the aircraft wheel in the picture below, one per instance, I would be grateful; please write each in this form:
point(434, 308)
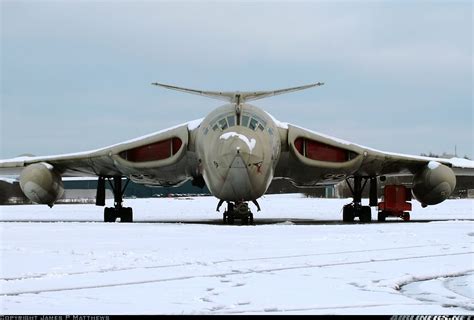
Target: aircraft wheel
point(109, 214)
point(245, 221)
point(406, 216)
point(230, 220)
point(348, 213)
point(365, 214)
point(126, 215)
point(224, 217)
point(251, 218)
point(381, 216)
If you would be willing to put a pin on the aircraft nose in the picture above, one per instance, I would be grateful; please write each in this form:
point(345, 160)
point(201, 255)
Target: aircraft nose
point(237, 183)
point(238, 158)
point(238, 162)
point(236, 149)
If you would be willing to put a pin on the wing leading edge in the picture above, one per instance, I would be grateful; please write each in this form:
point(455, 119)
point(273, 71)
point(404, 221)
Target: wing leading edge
point(133, 158)
point(301, 163)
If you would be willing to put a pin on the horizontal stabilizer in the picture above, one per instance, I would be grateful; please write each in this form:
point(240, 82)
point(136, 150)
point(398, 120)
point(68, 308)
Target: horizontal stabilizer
point(237, 96)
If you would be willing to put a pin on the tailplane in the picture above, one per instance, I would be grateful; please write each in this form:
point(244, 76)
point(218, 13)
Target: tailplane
point(237, 96)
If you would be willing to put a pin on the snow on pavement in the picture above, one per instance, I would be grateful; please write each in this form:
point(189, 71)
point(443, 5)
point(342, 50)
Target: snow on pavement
point(76, 267)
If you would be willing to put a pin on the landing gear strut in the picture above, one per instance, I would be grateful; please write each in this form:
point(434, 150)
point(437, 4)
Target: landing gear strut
point(117, 211)
point(356, 209)
point(238, 210)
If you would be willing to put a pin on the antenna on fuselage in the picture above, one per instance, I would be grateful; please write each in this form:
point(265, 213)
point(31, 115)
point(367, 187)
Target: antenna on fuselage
point(237, 96)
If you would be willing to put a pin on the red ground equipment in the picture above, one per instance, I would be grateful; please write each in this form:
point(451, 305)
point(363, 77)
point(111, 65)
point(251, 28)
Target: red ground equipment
point(395, 202)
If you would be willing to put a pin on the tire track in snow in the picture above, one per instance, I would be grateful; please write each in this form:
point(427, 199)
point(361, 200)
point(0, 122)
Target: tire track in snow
point(435, 297)
point(277, 309)
point(447, 284)
point(330, 253)
point(306, 266)
point(45, 275)
point(398, 285)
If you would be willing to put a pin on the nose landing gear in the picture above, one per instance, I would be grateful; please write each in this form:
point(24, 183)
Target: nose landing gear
point(238, 210)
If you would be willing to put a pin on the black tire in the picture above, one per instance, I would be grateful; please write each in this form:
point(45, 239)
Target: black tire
point(406, 216)
point(224, 217)
point(381, 216)
point(230, 220)
point(126, 215)
point(348, 213)
point(245, 221)
point(251, 219)
point(109, 215)
point(130, 215)
point(365, 214)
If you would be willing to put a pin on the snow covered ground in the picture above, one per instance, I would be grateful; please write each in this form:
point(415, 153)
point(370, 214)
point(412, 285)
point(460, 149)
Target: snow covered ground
point(297, 259)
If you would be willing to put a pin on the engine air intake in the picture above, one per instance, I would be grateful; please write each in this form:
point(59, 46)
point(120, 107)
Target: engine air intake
point(152, 152)
point(316, 150)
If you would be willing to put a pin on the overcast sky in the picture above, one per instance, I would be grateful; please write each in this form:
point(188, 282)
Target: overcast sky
point(75, 75)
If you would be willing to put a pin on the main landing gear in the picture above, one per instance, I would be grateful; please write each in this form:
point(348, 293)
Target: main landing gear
point(237, 210)
point(117, 211)
point(356, 209)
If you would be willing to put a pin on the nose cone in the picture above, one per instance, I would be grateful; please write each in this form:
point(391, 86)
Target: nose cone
point(231, 144)
point(237, 156)
point(237, 183)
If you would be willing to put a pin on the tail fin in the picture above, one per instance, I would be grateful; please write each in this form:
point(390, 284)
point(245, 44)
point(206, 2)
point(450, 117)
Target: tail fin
point(237, 96)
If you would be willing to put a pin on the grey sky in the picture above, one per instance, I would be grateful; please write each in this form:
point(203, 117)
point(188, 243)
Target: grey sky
point(76, 75)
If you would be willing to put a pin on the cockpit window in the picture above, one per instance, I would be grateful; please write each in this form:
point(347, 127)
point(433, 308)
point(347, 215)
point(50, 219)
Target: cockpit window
point(245, 121)
point(223, 124)
point(253, 124)
point(231, 121)
point(248, 120)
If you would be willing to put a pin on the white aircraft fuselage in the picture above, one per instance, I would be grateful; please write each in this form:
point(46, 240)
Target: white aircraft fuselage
point(238, 149)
